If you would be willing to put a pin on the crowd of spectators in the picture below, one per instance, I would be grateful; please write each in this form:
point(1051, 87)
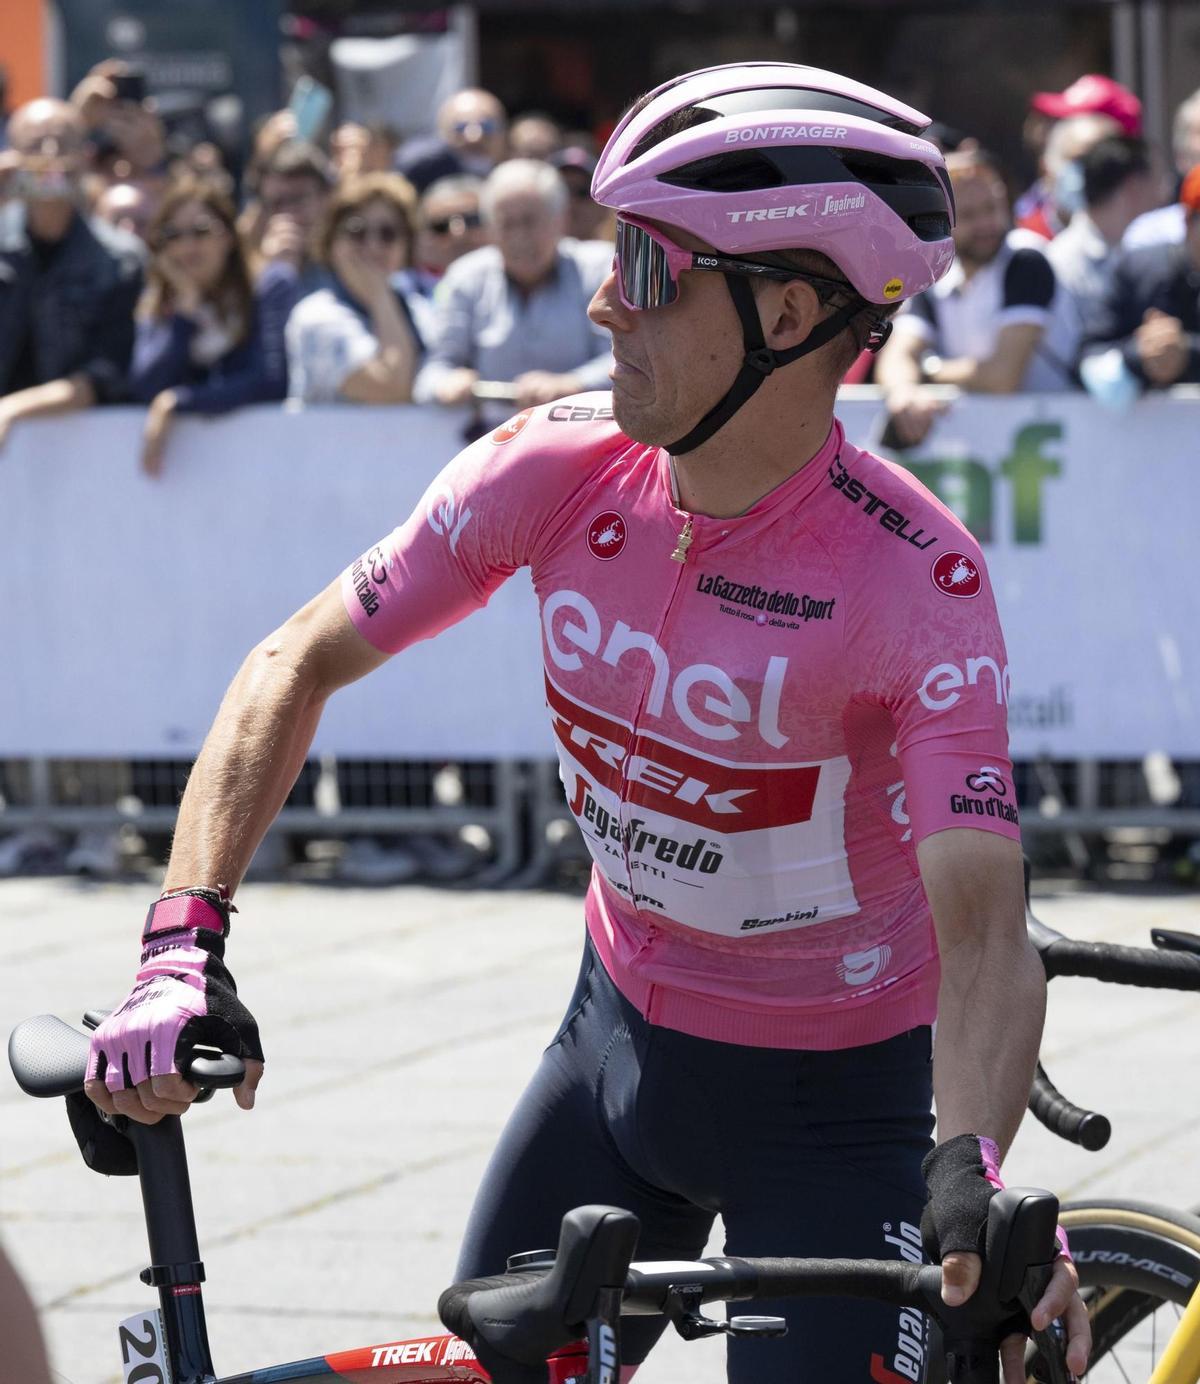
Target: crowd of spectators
point(455, 267)
point(1089, 280)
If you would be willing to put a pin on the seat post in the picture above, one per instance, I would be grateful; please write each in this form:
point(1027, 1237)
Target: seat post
point(175, 1267)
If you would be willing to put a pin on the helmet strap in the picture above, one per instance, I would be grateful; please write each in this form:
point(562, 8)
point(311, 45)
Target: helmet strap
point(759, 360)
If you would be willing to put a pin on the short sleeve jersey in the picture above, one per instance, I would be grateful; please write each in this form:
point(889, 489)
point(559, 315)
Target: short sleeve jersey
point(757, 719)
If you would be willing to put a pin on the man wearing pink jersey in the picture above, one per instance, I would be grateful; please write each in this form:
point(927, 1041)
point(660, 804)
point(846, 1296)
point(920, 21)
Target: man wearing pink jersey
point(777, 685)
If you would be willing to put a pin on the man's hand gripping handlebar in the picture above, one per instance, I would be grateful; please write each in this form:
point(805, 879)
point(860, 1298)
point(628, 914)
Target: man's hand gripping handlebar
point(183, 994)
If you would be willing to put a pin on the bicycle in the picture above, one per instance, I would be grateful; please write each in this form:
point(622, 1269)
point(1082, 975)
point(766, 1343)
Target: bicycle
point(1139, 1263)
point(562, 1309)
point(1135, 1259)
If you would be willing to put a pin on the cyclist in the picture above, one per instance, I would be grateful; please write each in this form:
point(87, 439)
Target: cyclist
point(777, 685)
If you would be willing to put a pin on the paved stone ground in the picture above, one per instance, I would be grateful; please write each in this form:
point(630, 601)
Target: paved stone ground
point(329, 1217)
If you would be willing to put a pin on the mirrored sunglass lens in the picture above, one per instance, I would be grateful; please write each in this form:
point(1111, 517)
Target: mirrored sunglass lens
point(645, 274)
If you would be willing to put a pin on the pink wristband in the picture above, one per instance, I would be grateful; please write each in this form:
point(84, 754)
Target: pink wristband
point(183, 911)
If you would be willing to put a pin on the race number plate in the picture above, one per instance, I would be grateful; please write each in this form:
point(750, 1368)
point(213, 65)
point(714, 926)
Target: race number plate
point(143, 1349)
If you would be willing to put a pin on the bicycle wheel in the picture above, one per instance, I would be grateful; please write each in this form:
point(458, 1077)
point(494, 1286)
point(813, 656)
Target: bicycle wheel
point(1138, 1264)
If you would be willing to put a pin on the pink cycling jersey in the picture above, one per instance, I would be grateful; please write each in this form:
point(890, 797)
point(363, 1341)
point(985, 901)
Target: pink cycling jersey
point(757, 719)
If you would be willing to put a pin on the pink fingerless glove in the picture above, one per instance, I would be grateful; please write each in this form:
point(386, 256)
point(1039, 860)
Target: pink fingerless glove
point(183, 991)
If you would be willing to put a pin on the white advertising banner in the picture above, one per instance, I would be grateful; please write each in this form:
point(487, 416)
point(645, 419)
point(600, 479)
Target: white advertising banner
point(127, 604)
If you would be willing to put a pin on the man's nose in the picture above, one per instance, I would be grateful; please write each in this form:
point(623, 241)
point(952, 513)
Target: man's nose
point(606, 309)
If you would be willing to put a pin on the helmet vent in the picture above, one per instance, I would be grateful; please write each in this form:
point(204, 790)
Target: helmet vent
point(733, 172)
point(927, 227)
point(888, 172)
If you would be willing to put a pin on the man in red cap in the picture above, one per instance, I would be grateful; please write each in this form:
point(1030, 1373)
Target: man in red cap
point(1092, 94)
point(1148, 328)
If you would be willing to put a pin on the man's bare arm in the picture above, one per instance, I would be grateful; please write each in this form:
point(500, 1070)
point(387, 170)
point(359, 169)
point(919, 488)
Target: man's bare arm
point(992, 999)
point(912, 409)
point(991, 1006)
point(1002, 371)
point(260, 738)
point(898, 364)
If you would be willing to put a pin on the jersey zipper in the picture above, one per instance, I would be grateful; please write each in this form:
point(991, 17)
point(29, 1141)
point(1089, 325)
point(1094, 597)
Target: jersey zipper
point(679, 554)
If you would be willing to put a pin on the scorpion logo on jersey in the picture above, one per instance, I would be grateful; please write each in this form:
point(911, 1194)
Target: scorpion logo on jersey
point(606, 535)
point(956, 575)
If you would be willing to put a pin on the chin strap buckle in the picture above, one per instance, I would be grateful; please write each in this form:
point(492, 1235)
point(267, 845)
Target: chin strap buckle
point(762, 360)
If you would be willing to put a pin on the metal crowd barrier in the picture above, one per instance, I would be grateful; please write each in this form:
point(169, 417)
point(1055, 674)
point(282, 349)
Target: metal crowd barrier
point(520, 805)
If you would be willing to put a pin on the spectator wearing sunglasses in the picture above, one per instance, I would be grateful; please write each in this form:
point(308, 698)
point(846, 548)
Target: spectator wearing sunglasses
point(207, 340)
point(472, 137)
point(449, 224)
point(516, 310)
point(358, 340)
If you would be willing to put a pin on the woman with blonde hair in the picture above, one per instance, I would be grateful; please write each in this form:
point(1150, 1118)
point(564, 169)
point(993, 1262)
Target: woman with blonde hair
point(207, 339)
point(360, 339)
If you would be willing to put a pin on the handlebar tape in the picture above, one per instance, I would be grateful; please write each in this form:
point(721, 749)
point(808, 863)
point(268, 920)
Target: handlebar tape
point(1162, 970)
point(1063, 1117)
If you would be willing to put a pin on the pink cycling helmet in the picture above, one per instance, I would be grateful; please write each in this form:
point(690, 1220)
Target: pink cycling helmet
point(755, 157)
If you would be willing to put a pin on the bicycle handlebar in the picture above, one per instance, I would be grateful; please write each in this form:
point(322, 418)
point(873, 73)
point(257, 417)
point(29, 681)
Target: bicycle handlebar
point(526, 1316)
point(1173, 964)
point(1063, 1117)
point(1117, 965)
point(49, 1058)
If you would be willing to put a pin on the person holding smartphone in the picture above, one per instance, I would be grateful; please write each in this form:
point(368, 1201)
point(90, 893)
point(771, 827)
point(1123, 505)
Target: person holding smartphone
point(113, 103)
point(68, 283)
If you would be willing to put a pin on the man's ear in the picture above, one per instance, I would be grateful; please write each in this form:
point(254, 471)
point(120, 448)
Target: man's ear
point(789, 316)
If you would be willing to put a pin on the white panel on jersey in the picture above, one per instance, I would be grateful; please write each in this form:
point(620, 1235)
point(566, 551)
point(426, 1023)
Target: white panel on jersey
point(729, 881)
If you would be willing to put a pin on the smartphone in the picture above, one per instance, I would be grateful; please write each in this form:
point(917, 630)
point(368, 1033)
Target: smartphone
point(131, 86)
point(310, 104)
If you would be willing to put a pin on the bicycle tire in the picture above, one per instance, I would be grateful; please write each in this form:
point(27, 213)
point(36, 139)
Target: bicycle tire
point(1139, 1264)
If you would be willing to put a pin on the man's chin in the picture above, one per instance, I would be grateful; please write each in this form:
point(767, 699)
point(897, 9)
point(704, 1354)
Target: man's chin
point(639, 422)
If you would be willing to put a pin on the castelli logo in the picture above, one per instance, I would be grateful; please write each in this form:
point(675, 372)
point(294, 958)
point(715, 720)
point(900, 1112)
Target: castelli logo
point(606, 535)
point(956, 575)
point(507, 431)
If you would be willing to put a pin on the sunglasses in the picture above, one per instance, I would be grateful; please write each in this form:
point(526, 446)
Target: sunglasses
point(648, 267)
point(199, 230)
point(460, 222)
point(487, 126)
point(383, 233)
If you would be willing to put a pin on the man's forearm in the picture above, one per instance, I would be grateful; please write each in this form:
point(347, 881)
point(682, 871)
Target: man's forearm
point(56, 396)
point(980, 376)
point(897, 365)
point(245, 771)
point(991, 1006)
